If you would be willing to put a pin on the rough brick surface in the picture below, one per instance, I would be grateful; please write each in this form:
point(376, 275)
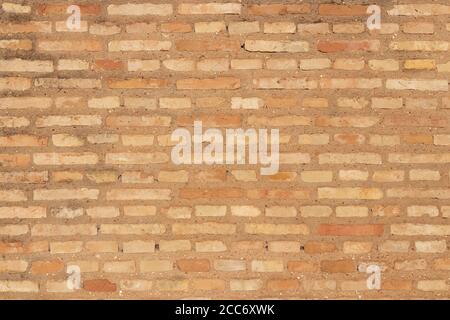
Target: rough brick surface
point(87, 180)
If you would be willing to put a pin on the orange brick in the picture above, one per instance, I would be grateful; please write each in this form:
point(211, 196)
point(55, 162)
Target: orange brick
point(278, 9)
point(342, 10)
point(61, 9)
point(207, 45)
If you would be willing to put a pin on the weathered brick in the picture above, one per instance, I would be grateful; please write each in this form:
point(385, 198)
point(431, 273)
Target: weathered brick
point(351, 230)
point(18, 286)
point(276, 9)
point(139, 45)
point(69, 45)
point(143, 9)
point(209, 8)
point(86, 173)
point(99, 285)
point(137, 229)
point(276, 46)
point(207, 45)
point(348, 45)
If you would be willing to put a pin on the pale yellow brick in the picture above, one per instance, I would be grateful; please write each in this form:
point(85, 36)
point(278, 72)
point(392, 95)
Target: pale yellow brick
point(246, 64)
point(353, 103)
point(139, 211)
point(61, 26)
point(210, 27)
point(148, 266)
point(348, 64)
point(136, 229)
point(281, 211)
point(284, 246)
point(438, 246)
point(245, 211)
point(276, 229)
point(136, 65)
point(137, 140)
point(384, 140)
point(315, 64)
point(279, 27)
point(313, 28)
point(66, 247)
point(136, 285)
point(18, 286)
point(66, 140)
point(13, 266)
point(384, 65)
point(179, 212)
point(15, 84)
point(243, 27)
point(419, 64)
point(246, 103)
point(245, 284)
point(394, 246)
point(387, 103)
point(204, 228)
point(314, 139)
point(175, 103)
point(388, 176)
point(210, 211)
point(103, 212)
point(348, 28)
point(350, 193)
point(119, 267)
point(21, 65)
point(432, 285)
point(182, 65)
point(16, 8)
point(244, 175)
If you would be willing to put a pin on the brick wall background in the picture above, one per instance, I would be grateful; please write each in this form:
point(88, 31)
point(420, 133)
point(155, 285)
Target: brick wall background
point(86, 177)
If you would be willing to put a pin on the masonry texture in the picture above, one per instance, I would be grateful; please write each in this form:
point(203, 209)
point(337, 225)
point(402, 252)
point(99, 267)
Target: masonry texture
point(86, 177)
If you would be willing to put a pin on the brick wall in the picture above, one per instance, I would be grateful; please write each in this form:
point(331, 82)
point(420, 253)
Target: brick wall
point(86, 177)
